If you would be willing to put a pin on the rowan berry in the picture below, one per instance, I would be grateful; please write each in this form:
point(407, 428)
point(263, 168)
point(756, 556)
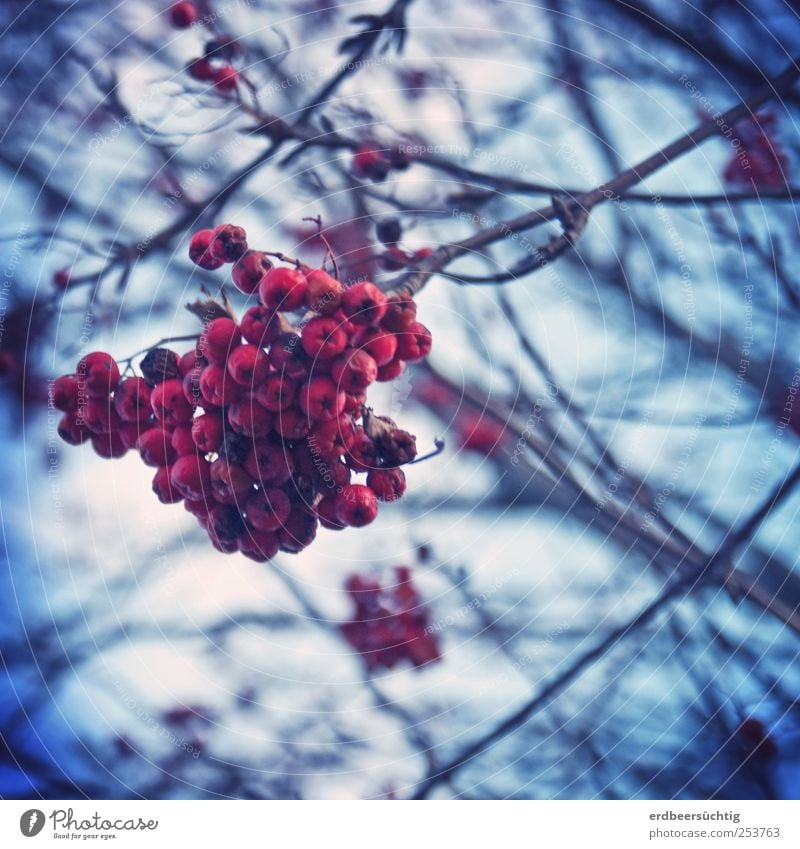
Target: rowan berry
point(62, 278)
point(155, 446)
point(249, 418)
point(291, 424)
point(229, 243)
point(129, 432)
point(324, 293)
point(387, 484)
point(391, 370)
point(248, 365)
point(356, 506)
point(261, 326)
point(277, 392)
point(97, 374)
point(218, 339)
point(225, 522)
point(199, 252)
point(182, 440)
point(283, 289)
point(364, 303)
point(354, 403)
point(288, 356)
point(380, 345)
point(331, 439)
point(401, 313)
point(160, 364)
point(72, 429)
point(269, 463)
point(326, 513)
point(132, 400)
point(320, 399)
point(201, 69)
point(371, 162)
point(260, 546)
point(109, 445)
point(414, 343)
point(65, 393)
point(298, 531)
point(248, 270)
point(354, 371)
point(226, 79)
point(324, 338)
point(163, 488)
point(229, 480)
point(207, 432)
point(268, 509)
point(397, 447)
point(169, 404)
point(191, 475)
point(362, 453)
point(218, 388)
point(99, 415)
point(183, 15)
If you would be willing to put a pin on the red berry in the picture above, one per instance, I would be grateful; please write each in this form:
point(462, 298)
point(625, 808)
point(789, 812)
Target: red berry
point(269, 462)
point(261, 326)
point(260, 546)
point(62, 278)
point(364, 303)
point(200, 69)
point(354, 402)
point(218, 339)
point(248, 365)
point(387, 484)
point(229, 242)
point(207, 432)
point(326, 513)
point(277, 392)
point(283, 289)
point(199, 252)
point(362, 454)
point(330, 440)
point(288, 357)
point(132, 400)
point(249, 418)
point(99, 415)
point(321, 400)
point(414, 343)
point(356, 506)
point(371, 162)
point(155, 446)
point(182, 440)
point(398, 447)
point(324, 293)
point(391, 370)
point(324, 338)
point(218, 388)
point(226, 79)
point(394, 258)
point(187, 362)
point(65, 393)
point(291, 424)
point(169, 403)
point(163, 488)
point(401, 313)
point(129, 432)
point(225, 525)
point(353, 371)
point(381, 345)
point(229, 480)
point(248, 270)
point(72, 429)
point(298, 530)
point(97, 374)
point(191, 475)
point(109, 445)
point(183, 15)
point(268, 510)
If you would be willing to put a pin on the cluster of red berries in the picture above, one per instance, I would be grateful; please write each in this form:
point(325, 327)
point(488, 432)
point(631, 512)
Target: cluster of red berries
point(214, 66)
point(260, 428)
point(375, 163)
point(390, 623)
